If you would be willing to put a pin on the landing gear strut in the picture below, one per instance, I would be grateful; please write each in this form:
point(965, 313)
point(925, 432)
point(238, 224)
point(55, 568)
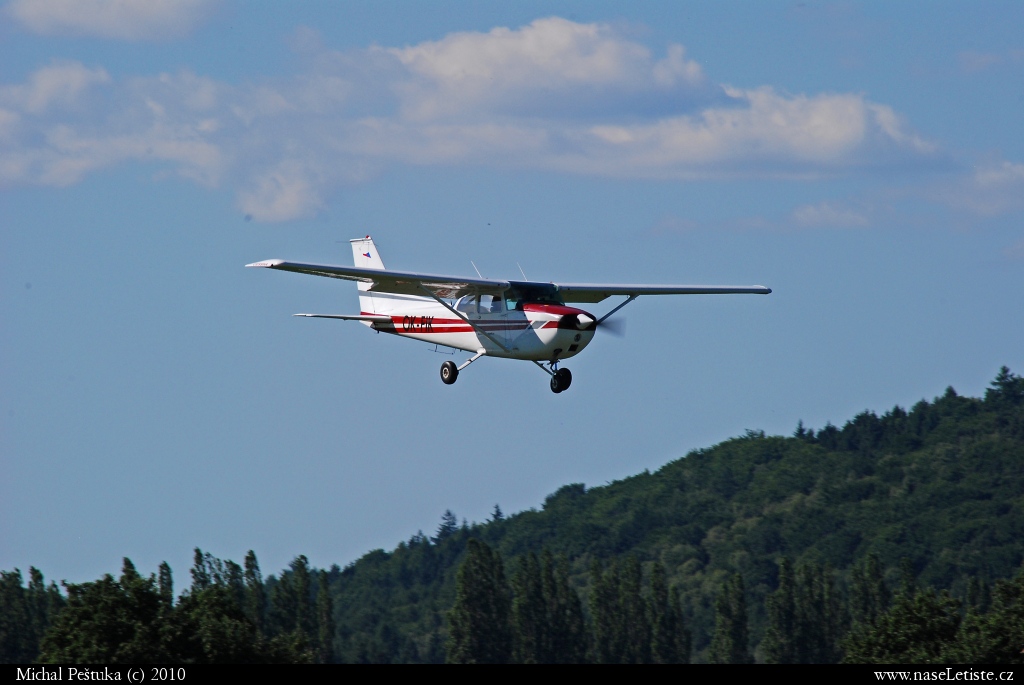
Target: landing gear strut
point(561, 380)
point(449, 373)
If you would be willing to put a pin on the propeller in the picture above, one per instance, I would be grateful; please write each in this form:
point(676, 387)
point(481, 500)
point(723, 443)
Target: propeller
point(615, 325)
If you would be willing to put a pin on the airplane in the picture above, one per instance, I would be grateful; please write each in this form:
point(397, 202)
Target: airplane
point(526, 320)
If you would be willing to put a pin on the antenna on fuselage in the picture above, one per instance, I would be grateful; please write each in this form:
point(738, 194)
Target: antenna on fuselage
point(476, 269)
point(522, 272)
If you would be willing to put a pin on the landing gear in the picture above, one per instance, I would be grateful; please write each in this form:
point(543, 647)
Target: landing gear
point(449, 373)
point(561, 380)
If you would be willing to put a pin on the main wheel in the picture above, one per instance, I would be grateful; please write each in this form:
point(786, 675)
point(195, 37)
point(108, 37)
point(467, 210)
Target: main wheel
point(449, 373)
point(561, 381)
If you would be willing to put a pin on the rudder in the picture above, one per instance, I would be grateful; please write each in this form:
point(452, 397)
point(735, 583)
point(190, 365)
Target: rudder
point(365, 255)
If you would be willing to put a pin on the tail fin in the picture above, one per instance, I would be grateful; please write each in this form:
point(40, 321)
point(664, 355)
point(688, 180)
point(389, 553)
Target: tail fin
point(365, 255)
point(364, 252)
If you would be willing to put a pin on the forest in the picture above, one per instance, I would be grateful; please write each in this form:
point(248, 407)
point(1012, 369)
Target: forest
point(896, 538)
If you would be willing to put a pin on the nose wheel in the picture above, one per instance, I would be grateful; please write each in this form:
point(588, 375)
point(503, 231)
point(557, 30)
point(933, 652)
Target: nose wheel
point(449, 373)
point(561, 380)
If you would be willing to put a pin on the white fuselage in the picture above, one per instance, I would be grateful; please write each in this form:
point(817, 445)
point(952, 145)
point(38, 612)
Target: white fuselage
point(529, 331)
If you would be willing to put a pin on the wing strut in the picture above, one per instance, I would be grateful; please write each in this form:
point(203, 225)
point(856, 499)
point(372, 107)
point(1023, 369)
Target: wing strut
point(464, 318)
point(627, 301)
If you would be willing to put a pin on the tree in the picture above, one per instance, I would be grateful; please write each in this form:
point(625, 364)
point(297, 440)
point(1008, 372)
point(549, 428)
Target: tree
point(200, 573)
point(729, 642)
point(166, 585)
point(303, 619)
point(109, 622)
point(995, 636)
point(25, 614)
point(636, 628)
point(325, 619)
point(530, 621)
point(780, 638)
point(479, 629)
point(666, 621)
point(1007, 389)
point(448, 527)
point(255, 594)
point(606, 614)
point(569, 636)
point(869, 597)
point(919, 628)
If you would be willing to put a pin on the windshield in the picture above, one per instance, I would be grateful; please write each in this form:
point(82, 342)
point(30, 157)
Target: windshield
point(521, 293)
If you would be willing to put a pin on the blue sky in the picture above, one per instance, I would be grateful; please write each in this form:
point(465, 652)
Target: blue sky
point(865, 160)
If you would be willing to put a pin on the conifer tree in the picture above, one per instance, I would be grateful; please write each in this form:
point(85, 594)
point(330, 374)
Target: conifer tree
point(920, 628)
point(869, 596)
point(166, 584)
point(682, 633)
point(670, 641)
point(234, 579)
point(325, 619)
point(780, 637)
point(818, 616)
point(25, 614)
point(637, 629)
point(569, 635)
point(479, 626)
point(301, 582)
point(448, 527)
point(255, 594)
point(200, 574)
point(530, 625)
point(729, 643)
point(283, 605)
point(606, 613)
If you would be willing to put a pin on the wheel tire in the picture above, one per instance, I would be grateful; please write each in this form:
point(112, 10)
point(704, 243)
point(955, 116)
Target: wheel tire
point(449, 373)
point(560, 381)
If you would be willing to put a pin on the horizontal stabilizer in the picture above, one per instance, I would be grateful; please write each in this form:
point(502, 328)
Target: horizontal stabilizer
point(350, 317)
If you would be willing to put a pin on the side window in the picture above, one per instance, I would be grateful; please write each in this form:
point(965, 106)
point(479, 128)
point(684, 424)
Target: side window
point(490, 304)
point(467, 304)
point(511, 301)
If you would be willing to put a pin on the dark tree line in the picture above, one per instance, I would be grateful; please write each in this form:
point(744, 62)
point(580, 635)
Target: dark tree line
point(539, 617)
point(227, 615)
point(25, 614)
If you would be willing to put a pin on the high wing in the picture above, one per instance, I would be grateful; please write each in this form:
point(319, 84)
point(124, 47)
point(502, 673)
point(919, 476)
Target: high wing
point(410, 283)
point(596, 292)
point(401, 282)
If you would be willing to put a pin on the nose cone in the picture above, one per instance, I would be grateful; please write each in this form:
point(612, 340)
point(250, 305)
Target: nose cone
point(583, 321)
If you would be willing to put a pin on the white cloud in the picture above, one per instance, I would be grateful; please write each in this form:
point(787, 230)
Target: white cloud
point(281, 194)
point(994, 188)
point(60, 84)
point(119, 19)
point(550, 65)
point(59, 131)
point(553, 95)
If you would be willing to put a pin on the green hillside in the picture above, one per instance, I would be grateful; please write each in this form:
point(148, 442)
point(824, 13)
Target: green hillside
point(832, 541)
point(940, 484)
